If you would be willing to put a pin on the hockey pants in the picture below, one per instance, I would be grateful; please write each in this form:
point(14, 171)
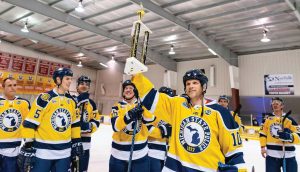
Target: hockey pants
point(8, 164)
point(274, 164)
point(139, 165)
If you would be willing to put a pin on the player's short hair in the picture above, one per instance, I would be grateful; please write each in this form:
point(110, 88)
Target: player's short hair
point(8, 78)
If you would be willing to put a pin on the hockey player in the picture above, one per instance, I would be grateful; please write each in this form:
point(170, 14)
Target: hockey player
point(124, 116)
point(205, 138)
point(89, 119)
point(13, 110)
point(274, 136)
point(224, 101)
point(52, 129)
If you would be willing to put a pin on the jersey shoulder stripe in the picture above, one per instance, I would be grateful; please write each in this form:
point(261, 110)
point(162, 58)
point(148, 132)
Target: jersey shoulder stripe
point(93, 104)
point(19, 98)
point(226, 116)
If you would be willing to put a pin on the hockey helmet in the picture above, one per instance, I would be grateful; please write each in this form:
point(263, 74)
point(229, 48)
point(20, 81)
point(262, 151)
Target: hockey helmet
point(61, 73)
point(224, 97)
point(198, 75)
point(167, 91)
point(83, 79)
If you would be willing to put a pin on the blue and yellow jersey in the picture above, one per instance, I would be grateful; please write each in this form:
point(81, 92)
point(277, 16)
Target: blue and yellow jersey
point(88, 113)
point(238, 120)
point(12, 114)
point(52, 122)
point(123, 132)
point(198, 142)
point(268, 136)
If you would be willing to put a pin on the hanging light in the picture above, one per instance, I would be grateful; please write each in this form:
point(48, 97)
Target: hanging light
point(104, 65)
point(25, 29)
point(79, 8)
point(265, 38)
point(212, 51)
point(172, 52)
point(79, 64)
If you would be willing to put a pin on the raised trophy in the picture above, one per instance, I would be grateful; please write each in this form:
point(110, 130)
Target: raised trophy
point(133, 65)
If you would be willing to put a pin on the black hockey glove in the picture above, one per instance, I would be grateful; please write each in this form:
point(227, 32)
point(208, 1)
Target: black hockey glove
point(134, 114)
point(26, 157)
point(165, 129)
point(285, 135)
point(77, 149)
point(227, 168)
point(86, 127)
point(83, 97)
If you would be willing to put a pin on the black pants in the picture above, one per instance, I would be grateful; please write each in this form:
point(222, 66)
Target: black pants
point(139, 165)
point(274, 164)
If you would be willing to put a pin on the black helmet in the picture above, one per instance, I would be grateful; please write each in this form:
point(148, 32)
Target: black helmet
point(198, 75)
point(277, 98)
point(61, 73)
point(223, 97)
point(128, 82)
point(83, 79)
point(167, 91)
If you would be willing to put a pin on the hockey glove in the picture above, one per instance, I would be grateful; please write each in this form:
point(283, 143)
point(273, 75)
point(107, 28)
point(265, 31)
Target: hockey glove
point(134, 114)
point(26, 157)
point(227, 168)
point(83, 97)
point(86, 127)
point(286, 135)
point(165, 129)
point(77, 149)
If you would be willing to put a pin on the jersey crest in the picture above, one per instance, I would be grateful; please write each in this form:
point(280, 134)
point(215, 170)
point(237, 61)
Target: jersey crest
point(194, 134)
point(61, 120)
point(274, 128)
point(10, 120)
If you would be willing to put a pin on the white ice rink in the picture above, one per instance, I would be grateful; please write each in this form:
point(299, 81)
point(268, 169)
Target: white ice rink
point(101, 144)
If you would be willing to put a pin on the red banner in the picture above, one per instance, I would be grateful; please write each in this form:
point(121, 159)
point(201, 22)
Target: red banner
point(44, 68)
point(30, 65)
point(4, 61)
point(17, 63)
point(53, 67)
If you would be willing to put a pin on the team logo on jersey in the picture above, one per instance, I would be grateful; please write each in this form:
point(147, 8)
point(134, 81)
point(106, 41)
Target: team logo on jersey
point(61, 120)
point(10, 120)
point(129, 128)
point(208, 112)
point(274, 128)
point(194, 134)
point(18, 102)
point(45, 97)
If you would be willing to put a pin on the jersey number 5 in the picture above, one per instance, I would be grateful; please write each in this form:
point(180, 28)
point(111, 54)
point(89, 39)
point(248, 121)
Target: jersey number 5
point(236, 139)
point(37, 113)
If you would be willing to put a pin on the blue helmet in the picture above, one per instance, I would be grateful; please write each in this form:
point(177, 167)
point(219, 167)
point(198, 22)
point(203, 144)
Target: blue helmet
point(198, 75)
point(167, 91)
point(83, 79)
point(61, 73)
point(224, 97)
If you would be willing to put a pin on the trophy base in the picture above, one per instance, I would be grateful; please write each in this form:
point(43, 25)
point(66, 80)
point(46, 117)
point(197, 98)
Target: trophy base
point(133, 66)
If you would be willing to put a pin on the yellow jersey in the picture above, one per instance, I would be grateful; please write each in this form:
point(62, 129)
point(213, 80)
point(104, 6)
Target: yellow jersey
point(52, 122)
point(198, 142)
point(123, 132)
point(268, 136)
point(12, 114)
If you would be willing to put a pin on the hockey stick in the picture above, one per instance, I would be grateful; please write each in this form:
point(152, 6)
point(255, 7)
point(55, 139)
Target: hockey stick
point(283, 143)
point(136, 93)
point(75, 164)
point(237, 110)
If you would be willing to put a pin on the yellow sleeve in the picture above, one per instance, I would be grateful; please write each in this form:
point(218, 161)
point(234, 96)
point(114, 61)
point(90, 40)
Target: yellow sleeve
point(263, 134)
point(296, 132)
point(95, 119)
point(117, 118)
point(35, 116)
point(157, 103)
point(155, 133)
point(75, 130)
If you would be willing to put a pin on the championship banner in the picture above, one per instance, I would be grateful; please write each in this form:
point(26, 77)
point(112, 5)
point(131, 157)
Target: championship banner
point(53, 67)
point(29, 75)
point(279, 84)
point(5, 59)
point(17, 63)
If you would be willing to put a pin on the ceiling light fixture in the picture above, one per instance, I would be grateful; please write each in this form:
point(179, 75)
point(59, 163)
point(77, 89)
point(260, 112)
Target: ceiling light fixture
point(265, 38)
point(172, 52)
point(79, 64)
point(212, 51)
point(79, 8)
point(25, 29)
point(102, 64)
